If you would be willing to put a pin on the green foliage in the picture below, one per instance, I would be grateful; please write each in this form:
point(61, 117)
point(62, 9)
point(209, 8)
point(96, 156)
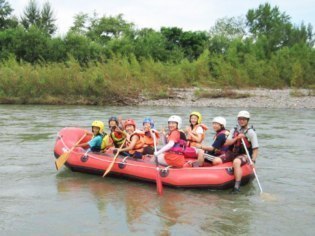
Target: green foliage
point(106, 59)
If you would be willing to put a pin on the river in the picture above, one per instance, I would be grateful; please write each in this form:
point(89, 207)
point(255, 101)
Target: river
point(35, 199)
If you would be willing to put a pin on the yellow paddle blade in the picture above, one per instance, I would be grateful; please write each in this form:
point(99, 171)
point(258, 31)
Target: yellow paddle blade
point(61, 160)
point(113, 162)
point(267, 197)
point(64, 157)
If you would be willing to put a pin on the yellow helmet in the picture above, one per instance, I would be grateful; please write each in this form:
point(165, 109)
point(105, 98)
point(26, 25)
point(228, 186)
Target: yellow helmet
point(196, 113)
point(99, 124)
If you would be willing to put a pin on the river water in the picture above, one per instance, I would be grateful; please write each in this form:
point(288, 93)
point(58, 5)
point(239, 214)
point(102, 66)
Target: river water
point(35, 199)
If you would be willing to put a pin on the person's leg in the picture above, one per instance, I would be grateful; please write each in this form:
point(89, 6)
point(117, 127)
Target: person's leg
point(217, 161)
point(201, 158)
point(161, 160)
point(237, 173)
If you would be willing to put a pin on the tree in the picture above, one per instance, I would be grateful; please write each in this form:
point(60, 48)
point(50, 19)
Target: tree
point(229, 28)
point(106, 28)
point(79, 25)
point(41, 18)
point(6, 20)
point(47, 20)
point(270, 25)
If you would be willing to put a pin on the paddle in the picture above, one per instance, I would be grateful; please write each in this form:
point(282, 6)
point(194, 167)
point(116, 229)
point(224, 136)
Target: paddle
point(159, 186)
point(251, 162)
point(64, 157)
point(113, 161)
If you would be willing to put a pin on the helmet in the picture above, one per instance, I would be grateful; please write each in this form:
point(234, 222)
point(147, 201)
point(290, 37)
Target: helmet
point(148, 120)
point(220, 120)
point(130, 122)
point(99, 124)
point(244, 114)
point(176, 119)
point(195, 113)
point(114, 118)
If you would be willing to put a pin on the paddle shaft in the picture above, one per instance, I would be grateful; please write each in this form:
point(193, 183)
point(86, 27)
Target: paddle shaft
point(114, 159)
point(64, 157)
point(251, 162)
point(159, 185)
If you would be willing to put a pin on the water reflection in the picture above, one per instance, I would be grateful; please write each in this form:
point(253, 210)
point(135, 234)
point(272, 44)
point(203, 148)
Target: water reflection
point(177, 211)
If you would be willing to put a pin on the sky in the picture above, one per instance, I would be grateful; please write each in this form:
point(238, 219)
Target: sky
point(191, 15)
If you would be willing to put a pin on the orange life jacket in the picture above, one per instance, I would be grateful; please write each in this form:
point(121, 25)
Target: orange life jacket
point(149, 140)
point(139, 144)
point(192, 142)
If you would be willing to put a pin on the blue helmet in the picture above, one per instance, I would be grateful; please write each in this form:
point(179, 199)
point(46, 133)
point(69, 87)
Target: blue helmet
point(150, 121)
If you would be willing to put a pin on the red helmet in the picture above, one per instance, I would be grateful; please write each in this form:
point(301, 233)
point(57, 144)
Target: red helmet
point(130, 122)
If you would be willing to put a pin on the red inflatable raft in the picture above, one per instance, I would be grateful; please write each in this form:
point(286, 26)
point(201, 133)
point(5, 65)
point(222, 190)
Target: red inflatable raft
point(212, 177)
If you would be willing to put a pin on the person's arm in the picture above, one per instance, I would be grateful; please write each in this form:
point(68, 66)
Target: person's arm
point(165, 148)
point(197, 137)
point(132, 144)
point(255, 154)
point(206, 148)
point(83, 145)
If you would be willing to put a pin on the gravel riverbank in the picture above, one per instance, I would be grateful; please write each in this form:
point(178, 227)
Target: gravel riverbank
point(261, 98)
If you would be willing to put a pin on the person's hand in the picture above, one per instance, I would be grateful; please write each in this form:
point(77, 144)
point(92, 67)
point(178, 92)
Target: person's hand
point(240, 136)
point(188, 129)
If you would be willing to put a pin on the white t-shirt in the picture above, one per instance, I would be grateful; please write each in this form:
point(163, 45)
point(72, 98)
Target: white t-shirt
point(199, 130)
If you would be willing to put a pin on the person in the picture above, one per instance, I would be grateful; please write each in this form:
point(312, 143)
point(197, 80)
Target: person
point(149, 131)
point(98, 132)
point(217, 148)
point(196, 130)
point(237, 152)
point(116, 136)
point(171, 154)
point(195, 136)
point(134, 141)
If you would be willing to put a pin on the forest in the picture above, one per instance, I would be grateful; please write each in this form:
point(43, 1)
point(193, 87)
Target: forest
point(108, 60)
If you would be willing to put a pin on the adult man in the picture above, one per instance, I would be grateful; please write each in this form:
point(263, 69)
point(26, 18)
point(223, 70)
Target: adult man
point(237, 151)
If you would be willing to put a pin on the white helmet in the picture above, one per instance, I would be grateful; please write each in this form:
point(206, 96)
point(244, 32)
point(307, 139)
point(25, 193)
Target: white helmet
point(220, 120)
point(244, 114)
point(176, 119)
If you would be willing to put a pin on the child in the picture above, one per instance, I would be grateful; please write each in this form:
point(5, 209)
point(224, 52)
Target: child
point(134, 142)
point(95, 143)
point(217, 148)
point(149, 131)
point(195, 135)
point(172, 153)
point(116, 136)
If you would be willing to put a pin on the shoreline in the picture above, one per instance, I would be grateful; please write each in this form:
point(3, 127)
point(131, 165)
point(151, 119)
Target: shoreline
point(258, 98)
point(178, 97)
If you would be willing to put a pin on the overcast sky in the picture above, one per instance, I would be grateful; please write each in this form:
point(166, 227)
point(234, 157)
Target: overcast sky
point(186, 14)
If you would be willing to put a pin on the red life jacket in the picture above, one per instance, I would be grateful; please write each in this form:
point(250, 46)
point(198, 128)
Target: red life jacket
point(238, 145)
point(180, 146)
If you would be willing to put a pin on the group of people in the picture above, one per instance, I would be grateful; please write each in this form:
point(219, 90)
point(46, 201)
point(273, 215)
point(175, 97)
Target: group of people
point(180, 144)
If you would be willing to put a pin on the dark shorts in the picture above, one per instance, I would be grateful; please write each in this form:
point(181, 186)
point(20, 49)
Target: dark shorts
point(230, 156)
point(148, 150)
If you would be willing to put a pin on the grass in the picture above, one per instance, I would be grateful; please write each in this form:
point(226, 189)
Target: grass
point(220, 93)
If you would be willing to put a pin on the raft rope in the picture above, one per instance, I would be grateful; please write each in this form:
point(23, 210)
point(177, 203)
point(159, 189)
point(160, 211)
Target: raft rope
point(143, 166)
